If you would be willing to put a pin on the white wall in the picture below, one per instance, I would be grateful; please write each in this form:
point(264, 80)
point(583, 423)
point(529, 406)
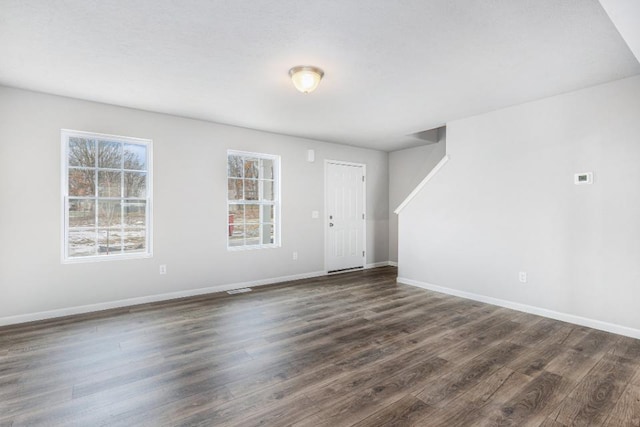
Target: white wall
point(407, 168)
point(189, 206)
point(506, 202)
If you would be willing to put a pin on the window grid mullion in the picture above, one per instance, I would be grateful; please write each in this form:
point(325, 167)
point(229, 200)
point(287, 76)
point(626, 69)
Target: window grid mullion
point(121, 198)
point(96, 227)
point(244, 197)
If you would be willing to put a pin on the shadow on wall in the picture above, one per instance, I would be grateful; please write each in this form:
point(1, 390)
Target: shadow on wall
point(407, 168)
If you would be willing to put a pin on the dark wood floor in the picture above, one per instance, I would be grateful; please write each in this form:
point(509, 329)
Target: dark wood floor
point(350, 349)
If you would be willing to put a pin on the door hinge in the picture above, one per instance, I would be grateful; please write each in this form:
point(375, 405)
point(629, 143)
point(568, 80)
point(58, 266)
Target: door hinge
point(362, 178)
point(362, 216)
point(362, 253)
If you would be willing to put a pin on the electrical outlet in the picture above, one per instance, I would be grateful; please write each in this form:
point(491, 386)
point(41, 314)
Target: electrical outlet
point(295, 255)
point(523, 277)
point(163, 269)
point(583, 178)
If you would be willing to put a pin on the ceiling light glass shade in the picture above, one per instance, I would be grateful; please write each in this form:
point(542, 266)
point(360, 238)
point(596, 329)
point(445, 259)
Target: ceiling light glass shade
point(305, 77)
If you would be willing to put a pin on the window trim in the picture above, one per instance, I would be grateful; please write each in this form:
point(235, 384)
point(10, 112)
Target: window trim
point(65, 135)
point(277, 200)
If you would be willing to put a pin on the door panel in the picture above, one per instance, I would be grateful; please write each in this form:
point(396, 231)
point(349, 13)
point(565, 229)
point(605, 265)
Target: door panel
point(345, 216)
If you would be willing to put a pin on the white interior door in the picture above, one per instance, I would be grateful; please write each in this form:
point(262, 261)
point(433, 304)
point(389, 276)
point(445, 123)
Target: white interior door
point(345, 221)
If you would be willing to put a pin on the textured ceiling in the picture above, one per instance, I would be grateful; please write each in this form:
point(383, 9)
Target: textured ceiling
point(393, 68)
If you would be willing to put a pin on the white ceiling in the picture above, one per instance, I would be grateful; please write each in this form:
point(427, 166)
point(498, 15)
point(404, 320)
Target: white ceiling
point(392, 68)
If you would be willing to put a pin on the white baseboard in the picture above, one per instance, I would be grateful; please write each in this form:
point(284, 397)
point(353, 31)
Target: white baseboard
point(565, 317)
point(31, 317)
point(378, 264)
point(393, 263)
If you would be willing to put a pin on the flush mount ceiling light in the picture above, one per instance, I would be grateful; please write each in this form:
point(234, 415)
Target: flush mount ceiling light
point(306, 78)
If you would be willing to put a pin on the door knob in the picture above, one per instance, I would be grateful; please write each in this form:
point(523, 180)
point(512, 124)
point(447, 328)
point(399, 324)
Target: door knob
point(330, 224)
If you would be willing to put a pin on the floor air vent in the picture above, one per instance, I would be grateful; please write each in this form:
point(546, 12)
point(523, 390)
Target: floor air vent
point(239, 291)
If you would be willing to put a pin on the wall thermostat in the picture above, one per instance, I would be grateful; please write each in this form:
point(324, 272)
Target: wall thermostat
point(583, 178)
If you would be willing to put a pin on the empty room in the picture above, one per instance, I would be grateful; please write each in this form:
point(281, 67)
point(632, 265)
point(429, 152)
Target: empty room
point(330, 213)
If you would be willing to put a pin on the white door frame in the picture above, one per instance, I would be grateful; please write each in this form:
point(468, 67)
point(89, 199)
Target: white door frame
point(326, 212)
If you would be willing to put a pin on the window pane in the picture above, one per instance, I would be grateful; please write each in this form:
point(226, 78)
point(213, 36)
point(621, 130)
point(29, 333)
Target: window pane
point(135, 184)
point(135, 213)
point(252, 213)
point(109, 154)
point(237, 237)
point(135, 156)
point(251, 189)
point(267, 234)
point(109, 241)
point(135, 240)
point(82, 243)
point(252, 234)
point(82, 152)
point(235, 189)
point(234, 166)
point(82, 182)
point(251, 168)
point(268, 213)
point(236, 217)
point(82, 213)
point(109, 183)
point(109, 214)
point(267, 169)
point(267, 190)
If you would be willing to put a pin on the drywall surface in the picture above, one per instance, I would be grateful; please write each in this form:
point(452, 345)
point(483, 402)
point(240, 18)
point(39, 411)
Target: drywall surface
point(624, 15)
point(189, 205)
point(407, 168)
point(506, 202)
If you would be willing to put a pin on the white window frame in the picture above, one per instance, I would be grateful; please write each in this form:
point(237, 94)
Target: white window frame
point(66, 134)
point(277, 202)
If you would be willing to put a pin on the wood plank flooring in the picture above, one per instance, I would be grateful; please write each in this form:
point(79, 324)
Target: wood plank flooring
point(350, 349)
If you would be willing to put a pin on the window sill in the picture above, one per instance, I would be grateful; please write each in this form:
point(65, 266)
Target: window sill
point(252, 247)
point(102, 258)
